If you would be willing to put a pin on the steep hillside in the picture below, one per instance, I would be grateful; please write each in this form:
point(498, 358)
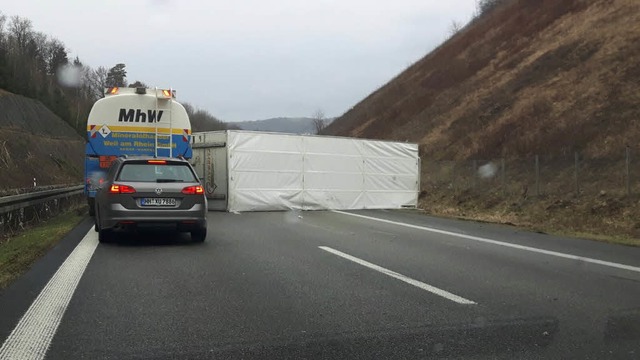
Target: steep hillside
point(34, 142)
point(532, 76)
point(552, 78)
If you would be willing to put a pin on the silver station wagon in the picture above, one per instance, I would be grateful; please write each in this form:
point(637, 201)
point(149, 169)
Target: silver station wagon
point(151, 193)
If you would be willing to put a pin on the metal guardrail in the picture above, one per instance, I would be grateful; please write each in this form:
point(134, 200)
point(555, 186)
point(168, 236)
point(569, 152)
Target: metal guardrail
point(16, 202)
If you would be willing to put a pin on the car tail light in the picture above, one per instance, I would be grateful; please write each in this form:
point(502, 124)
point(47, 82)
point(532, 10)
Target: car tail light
point(157, 162)
point(193, 190)
point(121, 189)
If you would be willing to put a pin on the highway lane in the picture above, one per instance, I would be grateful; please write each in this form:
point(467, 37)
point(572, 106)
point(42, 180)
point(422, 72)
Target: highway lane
point(333, 285)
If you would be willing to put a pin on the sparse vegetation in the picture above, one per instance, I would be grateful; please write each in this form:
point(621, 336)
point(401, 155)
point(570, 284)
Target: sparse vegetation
point(319, 121)
point(5, 156)
point(34, 142)
point(454, 28)
point(18, 253)
point(524, 78)
point(486, 6)
point(608, 218)
point(39, 66)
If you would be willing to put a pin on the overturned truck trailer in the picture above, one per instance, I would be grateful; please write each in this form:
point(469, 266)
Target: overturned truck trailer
point(257, 171)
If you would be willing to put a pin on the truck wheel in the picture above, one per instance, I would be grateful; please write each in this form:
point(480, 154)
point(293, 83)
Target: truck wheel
point(92, 206)
point(199, 235)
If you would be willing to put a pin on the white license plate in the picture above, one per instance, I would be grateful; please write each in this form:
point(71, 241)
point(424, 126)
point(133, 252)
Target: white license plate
point(158, 202)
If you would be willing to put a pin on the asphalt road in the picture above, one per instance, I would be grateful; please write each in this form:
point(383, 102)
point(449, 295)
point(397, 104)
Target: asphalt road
point(328, 285)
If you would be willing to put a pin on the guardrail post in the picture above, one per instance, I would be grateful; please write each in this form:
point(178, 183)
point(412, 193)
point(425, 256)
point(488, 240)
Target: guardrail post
point(537, 176)
point(576, 178)
point(474, 175)
point(503, 176)
point(628, 170)
point(453, 179)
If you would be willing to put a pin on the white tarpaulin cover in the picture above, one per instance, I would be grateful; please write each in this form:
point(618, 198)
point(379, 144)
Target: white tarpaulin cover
point(270, 171)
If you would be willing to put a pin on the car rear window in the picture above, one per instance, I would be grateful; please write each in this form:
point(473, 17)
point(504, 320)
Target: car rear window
point(156, 173)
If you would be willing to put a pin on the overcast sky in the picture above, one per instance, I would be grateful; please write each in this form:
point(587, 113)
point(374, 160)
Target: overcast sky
point(251, 59)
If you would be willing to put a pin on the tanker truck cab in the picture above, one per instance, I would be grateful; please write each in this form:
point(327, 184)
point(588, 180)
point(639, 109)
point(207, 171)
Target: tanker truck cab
point(133, 122)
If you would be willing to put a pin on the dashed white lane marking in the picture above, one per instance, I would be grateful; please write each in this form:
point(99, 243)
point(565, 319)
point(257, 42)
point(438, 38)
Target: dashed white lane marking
point(31, 338)
point(432, 289)
point(500, 243)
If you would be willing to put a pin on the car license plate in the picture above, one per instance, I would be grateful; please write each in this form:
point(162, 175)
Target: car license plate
point(158, 202)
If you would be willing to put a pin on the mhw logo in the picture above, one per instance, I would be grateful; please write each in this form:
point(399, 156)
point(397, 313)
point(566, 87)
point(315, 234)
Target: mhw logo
point(137, 115)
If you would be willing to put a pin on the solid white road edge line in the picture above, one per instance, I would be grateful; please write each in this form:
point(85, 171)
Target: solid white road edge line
point(30, 339)
point(500, 243)
point(432, 289)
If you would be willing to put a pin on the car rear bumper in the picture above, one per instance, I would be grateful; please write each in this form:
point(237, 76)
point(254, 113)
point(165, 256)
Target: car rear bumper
point(118, 217)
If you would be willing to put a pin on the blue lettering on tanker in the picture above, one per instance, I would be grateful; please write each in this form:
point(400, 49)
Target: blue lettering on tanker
point(130, 143)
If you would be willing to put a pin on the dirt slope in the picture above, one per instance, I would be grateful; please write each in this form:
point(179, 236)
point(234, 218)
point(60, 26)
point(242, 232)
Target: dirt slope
point(533, 76)
point(34, 142)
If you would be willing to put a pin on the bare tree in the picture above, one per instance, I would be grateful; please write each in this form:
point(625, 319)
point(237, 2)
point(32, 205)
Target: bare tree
point(85, 80)
point(319, 121)
point(3, 21)
point(454, 28)
point(21, 31)
point(40, 50)
point(57, 56)
point(96, 81)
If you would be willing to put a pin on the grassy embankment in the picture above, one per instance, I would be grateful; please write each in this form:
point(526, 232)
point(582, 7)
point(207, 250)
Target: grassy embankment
point(18, 253)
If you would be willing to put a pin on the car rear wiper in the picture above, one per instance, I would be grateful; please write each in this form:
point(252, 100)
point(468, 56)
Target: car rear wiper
point(168, 180)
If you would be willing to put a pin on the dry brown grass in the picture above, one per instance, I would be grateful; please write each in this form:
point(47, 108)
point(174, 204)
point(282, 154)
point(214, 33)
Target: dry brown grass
point(533, 76)
point(24, 156)
point(605, 218)
point(542, 77)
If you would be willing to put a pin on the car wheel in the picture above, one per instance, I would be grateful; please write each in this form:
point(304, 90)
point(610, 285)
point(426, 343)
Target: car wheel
point(96, 219)
point(199, 235)
point(104, 235)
